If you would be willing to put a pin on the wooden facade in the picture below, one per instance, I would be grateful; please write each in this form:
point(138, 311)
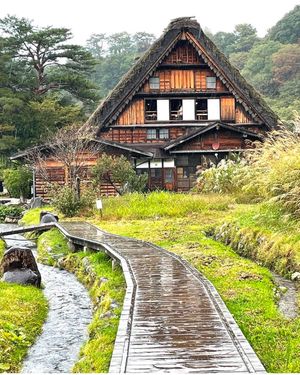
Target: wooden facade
point(179, 109)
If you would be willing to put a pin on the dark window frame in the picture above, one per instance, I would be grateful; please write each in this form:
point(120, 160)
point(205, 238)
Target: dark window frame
point(155, 82)
point(165, 130)
point(201, 114)
point(153, 132)
point(214, 81)
point(176, 115)
point(151, 115)
point(157, 132)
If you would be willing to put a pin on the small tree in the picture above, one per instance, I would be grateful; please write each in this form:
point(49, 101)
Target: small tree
point(118, 172)
point(70, 147)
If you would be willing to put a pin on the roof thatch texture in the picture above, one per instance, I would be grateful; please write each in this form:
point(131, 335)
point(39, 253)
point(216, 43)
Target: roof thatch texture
point(119, 97)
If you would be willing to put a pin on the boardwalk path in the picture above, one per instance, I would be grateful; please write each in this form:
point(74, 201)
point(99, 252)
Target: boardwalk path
point(173, 319)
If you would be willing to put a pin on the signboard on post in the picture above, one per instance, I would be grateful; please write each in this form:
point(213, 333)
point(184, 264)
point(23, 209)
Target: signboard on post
point(99, 205)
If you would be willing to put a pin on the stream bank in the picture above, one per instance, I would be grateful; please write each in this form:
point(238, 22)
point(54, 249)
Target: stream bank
point(65, 330)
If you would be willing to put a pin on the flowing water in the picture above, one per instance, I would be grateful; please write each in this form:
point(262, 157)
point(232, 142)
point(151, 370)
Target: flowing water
point(70, 311)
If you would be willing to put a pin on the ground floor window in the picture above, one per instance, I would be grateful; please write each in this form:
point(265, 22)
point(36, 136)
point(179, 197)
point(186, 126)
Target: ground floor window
point(186, 172)
point(156, 173)
point(168, 175)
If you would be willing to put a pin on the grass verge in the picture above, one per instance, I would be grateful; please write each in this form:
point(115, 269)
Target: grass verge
point(265, 233)
point(23, 310)
point(106, 288)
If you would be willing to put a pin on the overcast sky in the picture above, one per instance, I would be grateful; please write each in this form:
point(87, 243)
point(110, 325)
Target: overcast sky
point(85, 17)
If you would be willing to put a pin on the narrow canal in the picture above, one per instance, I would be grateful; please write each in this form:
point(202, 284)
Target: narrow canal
point(70, 312)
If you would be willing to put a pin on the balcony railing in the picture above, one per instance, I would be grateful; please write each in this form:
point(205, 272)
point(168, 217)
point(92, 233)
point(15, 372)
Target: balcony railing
point(176, 115)
point(201, 114)
point(151, 115)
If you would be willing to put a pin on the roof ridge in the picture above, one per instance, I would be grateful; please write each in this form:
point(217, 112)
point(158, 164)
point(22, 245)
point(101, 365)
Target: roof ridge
point(183, 22)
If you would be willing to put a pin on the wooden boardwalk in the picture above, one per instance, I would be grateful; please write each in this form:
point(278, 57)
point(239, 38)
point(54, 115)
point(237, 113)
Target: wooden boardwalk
point(173, 319)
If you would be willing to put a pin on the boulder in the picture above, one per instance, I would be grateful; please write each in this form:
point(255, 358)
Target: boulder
point(11, 220)
point(47, 217)
point(22, 276)
point(36, 202)
point(20, 258)
point(295, 276)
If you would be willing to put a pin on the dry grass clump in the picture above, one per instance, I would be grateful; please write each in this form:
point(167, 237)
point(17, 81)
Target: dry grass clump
point(270, 172)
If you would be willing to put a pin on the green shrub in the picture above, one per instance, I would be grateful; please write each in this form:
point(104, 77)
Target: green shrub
point(118, 172)
point(66, 200)
point(18, 182)
point(12, 211)
point(275, 170)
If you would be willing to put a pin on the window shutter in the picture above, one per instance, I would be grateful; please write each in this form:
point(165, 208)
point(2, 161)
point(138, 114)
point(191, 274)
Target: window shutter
point(163, 112)
point(188, 109)
point(213, 108)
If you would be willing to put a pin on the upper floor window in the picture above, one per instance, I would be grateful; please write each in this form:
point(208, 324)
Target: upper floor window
point(163, 133)
point(211, 82)
point(158, 133)
point(176, 109)
point(164, 110)
point(154, 83)
point(151, 110)
point(201, 109)
point(151, 134)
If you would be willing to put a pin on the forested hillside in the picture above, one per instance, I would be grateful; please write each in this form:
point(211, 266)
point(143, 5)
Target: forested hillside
point(46, 82)
point(271, 64)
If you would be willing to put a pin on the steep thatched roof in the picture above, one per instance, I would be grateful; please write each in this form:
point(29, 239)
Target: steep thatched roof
point(119, 97)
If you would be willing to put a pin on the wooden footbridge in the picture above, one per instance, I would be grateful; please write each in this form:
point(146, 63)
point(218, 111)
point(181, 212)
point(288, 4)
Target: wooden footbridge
point(173, 319)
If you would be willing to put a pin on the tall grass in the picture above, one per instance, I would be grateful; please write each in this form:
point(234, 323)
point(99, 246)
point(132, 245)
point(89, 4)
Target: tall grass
point(270, 172)
point(161, 204)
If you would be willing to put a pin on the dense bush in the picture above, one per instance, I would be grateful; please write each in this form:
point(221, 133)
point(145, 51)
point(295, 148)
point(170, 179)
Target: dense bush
point(18, 182)
point(66, 200)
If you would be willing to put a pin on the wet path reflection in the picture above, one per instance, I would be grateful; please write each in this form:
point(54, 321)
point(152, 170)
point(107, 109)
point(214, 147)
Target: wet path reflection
point(179, 322)
point(65, 330)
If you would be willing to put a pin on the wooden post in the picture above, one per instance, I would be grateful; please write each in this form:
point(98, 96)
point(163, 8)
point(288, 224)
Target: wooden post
point(71, 246)
point(162, 174)
point(78, 187)
point(99, 206)
point(149, 175)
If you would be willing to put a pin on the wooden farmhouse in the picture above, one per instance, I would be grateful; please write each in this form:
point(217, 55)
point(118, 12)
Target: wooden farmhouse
point(180, 108)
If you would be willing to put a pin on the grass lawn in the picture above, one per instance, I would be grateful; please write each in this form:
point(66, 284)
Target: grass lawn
point(23, 310)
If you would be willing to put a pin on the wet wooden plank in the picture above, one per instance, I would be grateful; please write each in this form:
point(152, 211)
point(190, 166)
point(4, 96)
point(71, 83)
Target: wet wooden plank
point(30, 228)
point(173, 319)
